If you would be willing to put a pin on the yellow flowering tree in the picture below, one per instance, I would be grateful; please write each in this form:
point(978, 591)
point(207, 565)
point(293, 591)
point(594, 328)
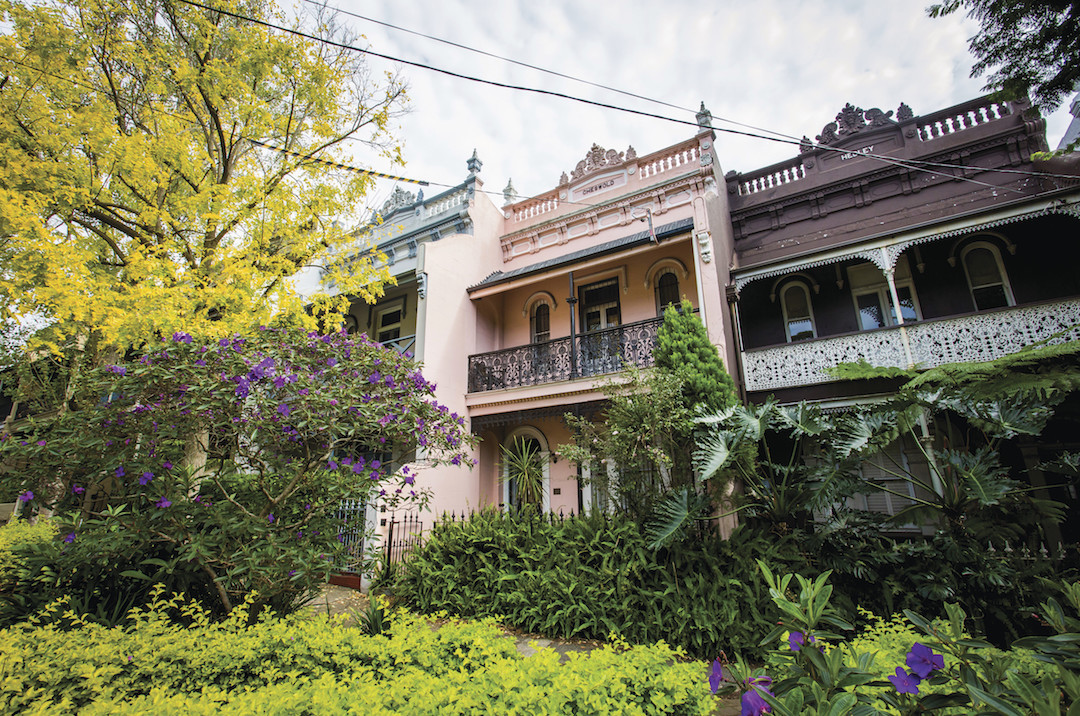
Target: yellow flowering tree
point(168, 167)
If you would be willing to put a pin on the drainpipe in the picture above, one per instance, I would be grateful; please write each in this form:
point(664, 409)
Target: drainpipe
point(573, 339)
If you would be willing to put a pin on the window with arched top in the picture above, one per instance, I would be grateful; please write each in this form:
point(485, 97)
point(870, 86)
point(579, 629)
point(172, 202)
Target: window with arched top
point(986, 277)
point(798, 312)
point(667, 291)
point(540, 322)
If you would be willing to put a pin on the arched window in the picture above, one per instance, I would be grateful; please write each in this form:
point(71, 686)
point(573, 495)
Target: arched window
point(986, 276)
point(798, 313)
point(667, 291)
point(540, 322)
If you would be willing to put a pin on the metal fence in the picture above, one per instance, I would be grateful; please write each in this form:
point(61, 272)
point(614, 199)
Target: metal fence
point(402, 537)
point(352, 515)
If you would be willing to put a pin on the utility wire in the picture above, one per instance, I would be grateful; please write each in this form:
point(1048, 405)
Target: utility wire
point(282, 150)
point(573, 78)
point(604, 105)
point(553, 73)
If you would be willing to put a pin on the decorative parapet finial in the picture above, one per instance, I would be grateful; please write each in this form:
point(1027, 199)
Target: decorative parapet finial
point(853, 120)
point(599, 158)
point(704, 117)
point(510, 194)
point(474, 164)
point(805, 145)
point(398, 198)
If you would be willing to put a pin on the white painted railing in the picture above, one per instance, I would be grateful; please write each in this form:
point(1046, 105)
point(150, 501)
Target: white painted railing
point(651, 166)
point(977, 337)
point(445, 204)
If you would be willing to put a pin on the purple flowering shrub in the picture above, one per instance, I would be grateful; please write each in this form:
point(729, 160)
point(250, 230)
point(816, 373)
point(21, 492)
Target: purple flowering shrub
point(228, 461)
point(815, 670)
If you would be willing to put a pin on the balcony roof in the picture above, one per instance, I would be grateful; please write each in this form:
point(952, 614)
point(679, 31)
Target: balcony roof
point(610, 247)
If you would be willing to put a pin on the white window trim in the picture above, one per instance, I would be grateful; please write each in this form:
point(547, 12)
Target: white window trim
point(532, 321)
point(397, 304)
point(809, 307)
point(1005, 285)
point(885, 297)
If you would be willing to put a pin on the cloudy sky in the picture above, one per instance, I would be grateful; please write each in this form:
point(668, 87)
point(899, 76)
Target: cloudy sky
point(781, 65)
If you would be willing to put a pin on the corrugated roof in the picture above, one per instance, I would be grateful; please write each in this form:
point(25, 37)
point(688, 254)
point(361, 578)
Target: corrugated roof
point(641, 237)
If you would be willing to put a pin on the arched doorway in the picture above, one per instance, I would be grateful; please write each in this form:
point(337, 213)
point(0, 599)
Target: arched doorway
point(525, 469)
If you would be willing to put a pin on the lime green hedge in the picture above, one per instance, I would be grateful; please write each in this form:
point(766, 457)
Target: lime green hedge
point(298, 665)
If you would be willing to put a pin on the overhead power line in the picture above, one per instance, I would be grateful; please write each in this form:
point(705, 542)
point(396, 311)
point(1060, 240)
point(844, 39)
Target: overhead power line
point(554, 73)
point(266, 145)
point(913, 165)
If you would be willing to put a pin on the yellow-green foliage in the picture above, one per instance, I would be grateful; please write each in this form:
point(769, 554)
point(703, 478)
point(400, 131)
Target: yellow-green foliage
point(889, 640)
point(298, 665)
point(15, 533)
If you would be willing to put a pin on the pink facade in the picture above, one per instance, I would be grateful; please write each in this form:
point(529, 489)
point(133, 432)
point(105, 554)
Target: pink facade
point(522, 313)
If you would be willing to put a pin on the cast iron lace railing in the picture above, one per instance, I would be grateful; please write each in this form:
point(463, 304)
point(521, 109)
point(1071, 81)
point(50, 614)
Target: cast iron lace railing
point(597, 353)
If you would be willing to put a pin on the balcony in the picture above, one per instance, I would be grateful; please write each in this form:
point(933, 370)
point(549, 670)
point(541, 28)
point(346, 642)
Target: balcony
point(403, 345)
point(976, 337)
point(589, 354)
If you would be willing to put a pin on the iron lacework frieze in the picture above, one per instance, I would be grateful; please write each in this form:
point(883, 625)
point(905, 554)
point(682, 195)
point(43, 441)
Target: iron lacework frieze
point(595, 353)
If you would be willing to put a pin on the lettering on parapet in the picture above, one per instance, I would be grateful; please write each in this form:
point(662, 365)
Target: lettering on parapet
point(856, 153)
point(597, 187)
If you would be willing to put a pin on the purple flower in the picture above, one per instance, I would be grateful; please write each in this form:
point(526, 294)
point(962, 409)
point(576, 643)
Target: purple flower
point(201, 363)
point(374, 377)
point(70, 538)
point(41, 443)
point(26, 496)
point(409, 479)
point(270, 518)
point(146, 478)
point(119, 471)
point(224, 342)
point(163, 502)
point(283, 409)
point(332, 465)
point(716, 676)
point(167, 465)
point(118, 369)
point(904, 682)
point(331, 362)
point(179, 337)
point(922, 660)
point(752, 702)
point(75, 489)
point(797, 639)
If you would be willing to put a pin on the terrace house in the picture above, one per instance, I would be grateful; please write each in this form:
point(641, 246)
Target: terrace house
point(584, 272)
point(901, 240)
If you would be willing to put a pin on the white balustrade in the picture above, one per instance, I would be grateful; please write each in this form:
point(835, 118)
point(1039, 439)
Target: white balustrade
point(652, 166)
point(978, 337)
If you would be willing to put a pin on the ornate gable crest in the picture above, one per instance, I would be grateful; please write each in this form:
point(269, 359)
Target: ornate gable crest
point(598, 158)
point(398, 199)
point(853, 120)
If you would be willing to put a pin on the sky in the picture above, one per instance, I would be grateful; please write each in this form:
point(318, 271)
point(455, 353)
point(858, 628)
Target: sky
point(782, 65)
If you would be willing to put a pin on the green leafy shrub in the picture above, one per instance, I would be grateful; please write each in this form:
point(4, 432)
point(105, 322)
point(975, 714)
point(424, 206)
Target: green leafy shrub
point(219, 469)
point(929, 666)
point(593, 575)
point(16, 537)
point(294, 665)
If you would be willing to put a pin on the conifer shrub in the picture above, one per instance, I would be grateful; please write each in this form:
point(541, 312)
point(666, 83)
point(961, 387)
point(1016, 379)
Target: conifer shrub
point(683, 347)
